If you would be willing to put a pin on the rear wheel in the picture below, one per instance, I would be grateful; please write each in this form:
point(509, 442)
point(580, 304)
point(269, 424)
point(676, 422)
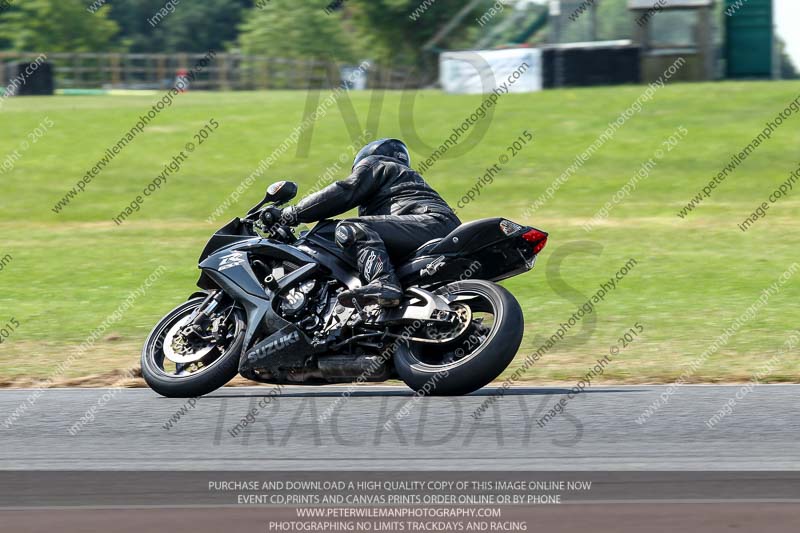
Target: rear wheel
point(472, 352)
point(184, 361)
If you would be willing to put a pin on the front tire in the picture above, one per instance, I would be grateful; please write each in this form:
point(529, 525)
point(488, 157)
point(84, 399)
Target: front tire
point(219, 365)
point(477, 356)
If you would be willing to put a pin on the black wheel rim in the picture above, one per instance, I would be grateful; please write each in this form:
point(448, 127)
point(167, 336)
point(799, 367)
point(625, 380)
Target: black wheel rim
point(157, 356)
point(485, 321)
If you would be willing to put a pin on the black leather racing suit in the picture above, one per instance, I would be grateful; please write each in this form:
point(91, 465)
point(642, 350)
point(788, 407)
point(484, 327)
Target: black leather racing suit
point(398, 212)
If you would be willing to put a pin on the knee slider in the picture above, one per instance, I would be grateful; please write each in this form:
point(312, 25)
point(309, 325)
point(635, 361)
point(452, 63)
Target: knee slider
point(347, 234)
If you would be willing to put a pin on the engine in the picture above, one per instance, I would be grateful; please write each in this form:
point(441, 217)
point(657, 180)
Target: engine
point(294, 302)
point(306, 304)
point(311, 306)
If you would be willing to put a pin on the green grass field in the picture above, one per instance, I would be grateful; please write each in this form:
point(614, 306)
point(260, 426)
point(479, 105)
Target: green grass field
point(694, 276)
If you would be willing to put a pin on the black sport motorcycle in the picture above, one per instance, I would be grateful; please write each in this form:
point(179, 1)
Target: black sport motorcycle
point(269, 310)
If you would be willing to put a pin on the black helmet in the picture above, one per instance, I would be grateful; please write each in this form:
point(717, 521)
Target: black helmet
point(393, 148)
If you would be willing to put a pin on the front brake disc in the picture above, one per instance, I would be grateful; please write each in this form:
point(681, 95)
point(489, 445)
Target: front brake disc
point(187, 353)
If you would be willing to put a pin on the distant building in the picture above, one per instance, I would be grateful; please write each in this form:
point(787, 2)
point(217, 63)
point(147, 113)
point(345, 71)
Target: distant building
point(669, 29)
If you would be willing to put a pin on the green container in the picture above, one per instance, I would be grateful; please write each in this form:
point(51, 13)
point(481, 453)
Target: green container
point(749, 38)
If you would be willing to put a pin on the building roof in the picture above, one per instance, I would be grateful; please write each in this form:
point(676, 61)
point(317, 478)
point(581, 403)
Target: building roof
point(622, 43)
point(668, 4)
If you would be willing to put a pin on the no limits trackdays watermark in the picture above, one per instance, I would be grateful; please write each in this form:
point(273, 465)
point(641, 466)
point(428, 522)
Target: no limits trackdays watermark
point(281, 423)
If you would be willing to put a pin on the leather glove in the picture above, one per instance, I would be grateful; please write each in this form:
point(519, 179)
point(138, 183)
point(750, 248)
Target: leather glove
point(289, 216)
point(270, 215)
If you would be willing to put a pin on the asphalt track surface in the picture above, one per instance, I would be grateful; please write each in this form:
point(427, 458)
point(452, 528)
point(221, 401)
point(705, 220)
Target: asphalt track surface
point(303, 428)
point(316, 428)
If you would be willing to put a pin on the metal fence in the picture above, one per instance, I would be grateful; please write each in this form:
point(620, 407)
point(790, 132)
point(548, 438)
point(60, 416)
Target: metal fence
point(220, 71)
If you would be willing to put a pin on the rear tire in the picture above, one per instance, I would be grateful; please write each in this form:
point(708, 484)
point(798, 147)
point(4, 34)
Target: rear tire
point(477, 368)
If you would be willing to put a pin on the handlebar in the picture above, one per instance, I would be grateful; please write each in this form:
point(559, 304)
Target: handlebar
point(269, 226)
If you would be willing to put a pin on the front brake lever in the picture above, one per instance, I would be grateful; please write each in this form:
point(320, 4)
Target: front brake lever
point(260, 229)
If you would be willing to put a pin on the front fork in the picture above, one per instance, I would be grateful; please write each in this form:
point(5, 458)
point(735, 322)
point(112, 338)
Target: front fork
point(203, 311)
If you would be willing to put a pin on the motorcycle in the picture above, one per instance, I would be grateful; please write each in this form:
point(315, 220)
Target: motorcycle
point(268, 310)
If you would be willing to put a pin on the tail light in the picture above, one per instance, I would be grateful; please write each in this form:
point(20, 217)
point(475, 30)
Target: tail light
point(537, 238)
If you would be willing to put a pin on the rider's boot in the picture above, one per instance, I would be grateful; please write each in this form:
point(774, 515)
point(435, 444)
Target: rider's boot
point(381, 284)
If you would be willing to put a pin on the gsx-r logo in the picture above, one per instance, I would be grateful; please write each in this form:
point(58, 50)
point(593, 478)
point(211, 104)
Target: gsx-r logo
point(232, 260)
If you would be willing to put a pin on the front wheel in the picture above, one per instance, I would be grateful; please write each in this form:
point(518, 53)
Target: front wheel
point(481, 348)
point(186, 358)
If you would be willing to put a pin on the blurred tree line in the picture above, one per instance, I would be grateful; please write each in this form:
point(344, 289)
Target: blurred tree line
point(121, 25)
point(356, 29)
point(343, 30)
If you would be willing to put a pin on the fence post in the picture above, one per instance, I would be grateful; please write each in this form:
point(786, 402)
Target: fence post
point(262, 73)
point(75, 70)
point(161, 72)
point(3, 80)
point(115, 70)
point(222, 78)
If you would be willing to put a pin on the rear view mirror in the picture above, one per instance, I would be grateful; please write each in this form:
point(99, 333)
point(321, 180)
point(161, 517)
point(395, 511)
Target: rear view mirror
point(281, 192)
point(278, 193)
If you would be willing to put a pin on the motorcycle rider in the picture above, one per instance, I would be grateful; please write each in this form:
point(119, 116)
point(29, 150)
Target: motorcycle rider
point(398, 212)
